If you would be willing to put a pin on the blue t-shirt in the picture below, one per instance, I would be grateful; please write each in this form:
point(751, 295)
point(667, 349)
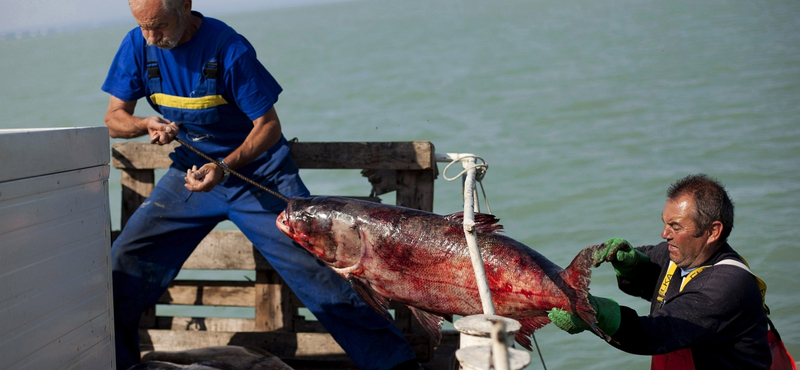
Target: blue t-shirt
point(244, 83)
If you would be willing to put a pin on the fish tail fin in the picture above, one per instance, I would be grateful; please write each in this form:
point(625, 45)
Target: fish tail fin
point(578, 275)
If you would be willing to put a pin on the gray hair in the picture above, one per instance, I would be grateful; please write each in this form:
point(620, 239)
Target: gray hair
point(170, 6)
point(174, 7)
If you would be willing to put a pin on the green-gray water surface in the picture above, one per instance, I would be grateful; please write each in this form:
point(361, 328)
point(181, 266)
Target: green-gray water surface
point(585, 112)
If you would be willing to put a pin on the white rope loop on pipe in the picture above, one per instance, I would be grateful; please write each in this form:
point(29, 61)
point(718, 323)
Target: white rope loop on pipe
point(480, 168)
point(480, 173)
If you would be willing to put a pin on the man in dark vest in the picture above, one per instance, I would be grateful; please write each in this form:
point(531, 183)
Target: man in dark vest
point(707, 309)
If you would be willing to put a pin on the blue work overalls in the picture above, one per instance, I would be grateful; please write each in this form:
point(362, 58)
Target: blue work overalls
point(163, 232)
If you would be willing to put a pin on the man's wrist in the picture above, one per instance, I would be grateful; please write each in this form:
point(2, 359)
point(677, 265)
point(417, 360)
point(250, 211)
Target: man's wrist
point(226, 171)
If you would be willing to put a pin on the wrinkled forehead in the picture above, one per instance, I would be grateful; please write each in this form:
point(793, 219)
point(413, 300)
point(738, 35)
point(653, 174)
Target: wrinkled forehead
point(148, 6)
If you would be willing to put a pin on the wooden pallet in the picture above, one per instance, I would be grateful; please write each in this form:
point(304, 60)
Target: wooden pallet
point(277, 327)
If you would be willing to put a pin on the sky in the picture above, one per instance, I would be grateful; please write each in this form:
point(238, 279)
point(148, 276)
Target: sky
point(41, 16)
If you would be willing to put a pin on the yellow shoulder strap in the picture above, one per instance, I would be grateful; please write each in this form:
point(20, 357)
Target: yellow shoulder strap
point(692, 275)
point(662, 291)
point(665, 283)
point(762, 286)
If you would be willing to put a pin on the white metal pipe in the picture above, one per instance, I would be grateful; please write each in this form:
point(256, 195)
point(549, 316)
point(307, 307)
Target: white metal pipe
point(470, 194)
point(499, 349)
point(449, 157)
point(468, 161)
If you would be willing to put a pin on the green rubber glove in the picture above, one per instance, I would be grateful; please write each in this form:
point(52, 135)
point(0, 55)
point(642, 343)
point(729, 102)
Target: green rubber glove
point(608, 317)
point(621, 255)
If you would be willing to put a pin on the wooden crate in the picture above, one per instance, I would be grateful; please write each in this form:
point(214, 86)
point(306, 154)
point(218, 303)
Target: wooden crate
point(277, 327)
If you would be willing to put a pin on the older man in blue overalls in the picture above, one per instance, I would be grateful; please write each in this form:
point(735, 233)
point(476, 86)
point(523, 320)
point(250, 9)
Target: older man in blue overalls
point(212, 92)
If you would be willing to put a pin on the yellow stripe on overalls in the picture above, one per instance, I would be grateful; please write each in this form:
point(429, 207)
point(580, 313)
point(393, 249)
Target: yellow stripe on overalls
point(172, 101)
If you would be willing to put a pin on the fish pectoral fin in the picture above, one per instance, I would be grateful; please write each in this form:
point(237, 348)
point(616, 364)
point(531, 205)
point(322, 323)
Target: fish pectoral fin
point(529, 325)
point(370, 296)
point(431, 322)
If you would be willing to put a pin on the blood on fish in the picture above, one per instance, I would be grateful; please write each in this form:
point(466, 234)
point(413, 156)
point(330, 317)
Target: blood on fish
point(421, 259)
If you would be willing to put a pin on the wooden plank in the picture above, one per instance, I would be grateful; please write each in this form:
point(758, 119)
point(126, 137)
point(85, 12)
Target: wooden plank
point(141, 155)
point(415, 189)
point(283, 345)
point(411, 155)
point(136, 187)
point(236, 296)
point(274, 309)
point(226, 250)
point(34, 152)
point(320, 346)
point(206, 324)
point(416, 155)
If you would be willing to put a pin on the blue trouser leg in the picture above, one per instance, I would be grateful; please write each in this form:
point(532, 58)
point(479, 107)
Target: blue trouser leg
point(371, 341)
point(150, 251)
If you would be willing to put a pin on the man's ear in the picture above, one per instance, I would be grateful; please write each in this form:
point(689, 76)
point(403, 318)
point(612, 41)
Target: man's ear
point(715, 230)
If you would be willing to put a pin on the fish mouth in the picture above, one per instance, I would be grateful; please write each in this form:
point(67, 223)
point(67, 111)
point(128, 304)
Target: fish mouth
point(282, 222)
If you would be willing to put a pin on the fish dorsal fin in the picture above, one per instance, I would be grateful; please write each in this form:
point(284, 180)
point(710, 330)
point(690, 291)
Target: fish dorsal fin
point(431, 322)
point(529, 325)
point(484, 223)
point(371, 297)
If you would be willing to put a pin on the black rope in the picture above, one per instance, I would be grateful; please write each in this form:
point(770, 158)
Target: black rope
point(219, 163)
point(539, 350)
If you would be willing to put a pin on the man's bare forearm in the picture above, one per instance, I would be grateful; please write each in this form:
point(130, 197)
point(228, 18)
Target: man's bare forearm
point(123, 124)
point(266, 132)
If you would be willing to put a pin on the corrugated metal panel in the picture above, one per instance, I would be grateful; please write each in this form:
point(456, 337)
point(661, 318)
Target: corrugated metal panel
point(55, 274)
point(34, 152)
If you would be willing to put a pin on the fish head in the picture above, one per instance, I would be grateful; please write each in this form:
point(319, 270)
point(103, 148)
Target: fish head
point(323, 227)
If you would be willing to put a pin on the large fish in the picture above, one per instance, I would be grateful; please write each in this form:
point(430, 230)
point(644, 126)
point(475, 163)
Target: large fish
point(421, 259)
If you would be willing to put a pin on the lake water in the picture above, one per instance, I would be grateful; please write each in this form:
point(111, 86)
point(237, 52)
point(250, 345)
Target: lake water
point(585, 112)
